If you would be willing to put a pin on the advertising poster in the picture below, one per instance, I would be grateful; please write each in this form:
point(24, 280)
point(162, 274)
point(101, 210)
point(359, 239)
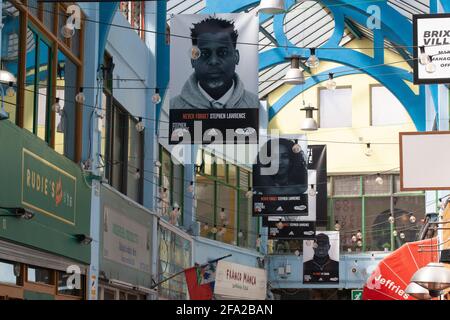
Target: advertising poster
point(282, 183)
point(289, 227)
point(214, 79)
point(431, 48)
point(317, 160)
point(321, 258)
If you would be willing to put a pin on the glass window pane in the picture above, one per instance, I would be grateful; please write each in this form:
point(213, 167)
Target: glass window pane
point(33, 7)
point(9, 272)
point(232, 174)
point(374, 186)
point(348, 212)
point(404, 208)
point(208, 164)
point(30, 88)
point(178, 185)
point(120, 126)
point(66, 90)
point(335, 108)
point(43, 91)
point(227, 201)
point(248, 224)
point(109, 294)
point(221, 169)
point(166, 169)
point(134, 161)
point(378, 228)
point(75, 44)
point(10, 54)
point(48, 9)
point(346, 185)
point(39, 275)
point(204, 190)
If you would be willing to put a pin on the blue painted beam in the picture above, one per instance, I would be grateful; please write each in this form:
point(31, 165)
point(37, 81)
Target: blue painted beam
point(107, 11)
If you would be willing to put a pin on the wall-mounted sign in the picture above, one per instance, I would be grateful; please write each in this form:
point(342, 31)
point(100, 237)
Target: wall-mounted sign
point(125, 241)
point(214, 79)
point(431, 48)
point(48, 189)
point(321, 258)
point(236, 281)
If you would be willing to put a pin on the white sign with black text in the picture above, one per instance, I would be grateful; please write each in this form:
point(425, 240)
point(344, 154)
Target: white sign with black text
point(431, 48)
point(236, 281)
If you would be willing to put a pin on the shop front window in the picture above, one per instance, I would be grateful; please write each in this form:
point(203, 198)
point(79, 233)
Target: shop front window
point(9, 272)
point(222, 206)
point(40, 275)
point(175, 254)
point(64, 289)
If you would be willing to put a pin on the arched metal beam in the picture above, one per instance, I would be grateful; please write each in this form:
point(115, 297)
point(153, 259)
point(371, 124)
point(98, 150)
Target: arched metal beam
point(391, 22)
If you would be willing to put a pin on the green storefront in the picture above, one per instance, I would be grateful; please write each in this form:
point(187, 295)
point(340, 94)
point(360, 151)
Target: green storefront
point(127, 244)
point(44, 220)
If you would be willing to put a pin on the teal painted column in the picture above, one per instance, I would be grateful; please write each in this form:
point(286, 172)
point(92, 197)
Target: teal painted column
point(92, 137)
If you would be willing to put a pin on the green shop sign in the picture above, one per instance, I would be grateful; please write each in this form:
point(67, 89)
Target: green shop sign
point(47, 188)
point(35, 177)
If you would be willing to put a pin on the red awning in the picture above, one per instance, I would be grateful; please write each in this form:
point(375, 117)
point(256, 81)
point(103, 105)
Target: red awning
point(393, 273)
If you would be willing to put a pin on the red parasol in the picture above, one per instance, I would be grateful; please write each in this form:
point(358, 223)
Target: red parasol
point(393, 273)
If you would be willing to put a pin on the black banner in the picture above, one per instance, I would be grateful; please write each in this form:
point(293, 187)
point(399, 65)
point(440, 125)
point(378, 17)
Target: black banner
point(286, 228)
point(204, 127)
point(281, 179)
point(317, 160)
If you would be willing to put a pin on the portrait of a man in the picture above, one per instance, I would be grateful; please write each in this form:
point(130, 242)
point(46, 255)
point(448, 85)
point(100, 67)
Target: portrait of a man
point(214, 83)
point(321, 268)
point(291, 176)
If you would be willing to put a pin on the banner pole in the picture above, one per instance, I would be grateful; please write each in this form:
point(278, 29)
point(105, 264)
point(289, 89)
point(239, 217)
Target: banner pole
point(182, 271)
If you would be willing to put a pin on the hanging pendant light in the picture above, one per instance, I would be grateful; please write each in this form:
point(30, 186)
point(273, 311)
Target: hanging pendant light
point(249, 193)
point(156, 98)
point(140, 125)
point(379, 179)
point(309, 124)
point(331, 84)
point(68, 30)
point(80, 97)
point(10, 92)
point(434, 276)
point(418, 292)
point(56, 107)
point(296, 148)
point(294, 75)
point(368, 152)
point(424, 58)
point(313, 61)
point(271, 6)
point(337, 226)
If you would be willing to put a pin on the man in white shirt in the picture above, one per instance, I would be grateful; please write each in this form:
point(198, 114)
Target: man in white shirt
point(214, 84)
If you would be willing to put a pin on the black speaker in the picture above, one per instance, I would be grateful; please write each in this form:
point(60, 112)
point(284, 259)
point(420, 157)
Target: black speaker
point(445, 256)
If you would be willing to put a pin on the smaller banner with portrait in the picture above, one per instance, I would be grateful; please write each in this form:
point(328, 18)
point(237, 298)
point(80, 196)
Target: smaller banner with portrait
point(282, 183)
point(321, 258)
point(431, 48)
point(214, 79)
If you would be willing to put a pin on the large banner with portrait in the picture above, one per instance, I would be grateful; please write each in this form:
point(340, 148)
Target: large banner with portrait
point(321, 258)
point(214, 79)
point(282, 183)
